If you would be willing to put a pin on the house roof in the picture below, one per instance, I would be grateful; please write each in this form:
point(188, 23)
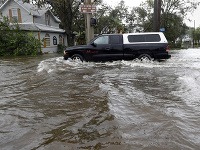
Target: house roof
point(32, 9)
point(39, 27)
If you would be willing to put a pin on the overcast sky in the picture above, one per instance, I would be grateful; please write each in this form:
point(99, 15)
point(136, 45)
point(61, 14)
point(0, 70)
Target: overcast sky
point(131, 3)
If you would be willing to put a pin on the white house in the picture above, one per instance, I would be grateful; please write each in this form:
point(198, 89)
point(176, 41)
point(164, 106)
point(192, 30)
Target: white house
point(40, 21)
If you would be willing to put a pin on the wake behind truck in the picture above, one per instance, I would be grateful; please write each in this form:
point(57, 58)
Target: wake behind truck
point(129, 46)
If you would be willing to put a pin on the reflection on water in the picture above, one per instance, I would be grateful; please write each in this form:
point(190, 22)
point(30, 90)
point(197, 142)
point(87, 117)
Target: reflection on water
point(51, 103)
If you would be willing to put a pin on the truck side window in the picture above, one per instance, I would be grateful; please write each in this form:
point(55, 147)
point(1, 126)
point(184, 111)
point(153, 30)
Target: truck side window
point(144, 38)
point(153, 38)
point(115, 39)
point(101, 40)
point(136, 38)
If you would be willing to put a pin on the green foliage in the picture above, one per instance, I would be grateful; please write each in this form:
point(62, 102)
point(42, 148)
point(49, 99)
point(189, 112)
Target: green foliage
point(173, 13)
point(61, 48)
point(174, 26)
point(13, 41)
point(111, 20)
point(196, 36)
point(81, 39)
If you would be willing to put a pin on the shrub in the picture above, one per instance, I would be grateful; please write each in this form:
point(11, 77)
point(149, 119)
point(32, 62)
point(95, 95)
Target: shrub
point(61, 48)
point(14, 41)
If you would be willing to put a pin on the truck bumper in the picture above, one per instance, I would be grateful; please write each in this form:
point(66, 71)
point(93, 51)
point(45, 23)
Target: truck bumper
point(162, 56)
point(66, 56)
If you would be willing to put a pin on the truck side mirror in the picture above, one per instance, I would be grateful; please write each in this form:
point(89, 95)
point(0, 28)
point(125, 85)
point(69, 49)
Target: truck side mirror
point(94, 44)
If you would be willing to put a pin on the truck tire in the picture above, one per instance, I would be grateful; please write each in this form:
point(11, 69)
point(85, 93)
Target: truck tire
point(65, 58)
point(145, 57)
point(77, 57)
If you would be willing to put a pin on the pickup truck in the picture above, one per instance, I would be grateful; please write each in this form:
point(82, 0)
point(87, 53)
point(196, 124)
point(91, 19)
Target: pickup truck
point(129, 46)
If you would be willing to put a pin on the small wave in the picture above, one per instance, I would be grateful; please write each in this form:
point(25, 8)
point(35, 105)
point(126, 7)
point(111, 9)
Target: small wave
point(137, 63)
point(59, 64)
point(46, 65)
point(52, 64)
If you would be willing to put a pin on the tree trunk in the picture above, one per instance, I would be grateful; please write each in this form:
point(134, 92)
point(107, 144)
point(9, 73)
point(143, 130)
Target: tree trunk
point(70, 39)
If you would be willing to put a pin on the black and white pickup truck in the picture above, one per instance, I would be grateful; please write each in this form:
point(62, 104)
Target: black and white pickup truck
point(110, 47)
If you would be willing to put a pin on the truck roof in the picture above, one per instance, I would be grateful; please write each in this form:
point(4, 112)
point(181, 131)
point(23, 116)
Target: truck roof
point(136, 38)
point(149, 37)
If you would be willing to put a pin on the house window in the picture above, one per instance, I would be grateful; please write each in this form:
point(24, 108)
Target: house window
point(47, 40)
point(54, 40)
point(14, 15)
point(47, 19)
point(60, 39)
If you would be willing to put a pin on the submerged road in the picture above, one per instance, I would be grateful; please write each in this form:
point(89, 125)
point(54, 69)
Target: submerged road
point(48, 103)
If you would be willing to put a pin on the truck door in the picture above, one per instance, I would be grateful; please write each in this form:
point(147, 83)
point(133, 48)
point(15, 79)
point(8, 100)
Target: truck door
point(108, 47)
point(116, 47)
point(101, 45)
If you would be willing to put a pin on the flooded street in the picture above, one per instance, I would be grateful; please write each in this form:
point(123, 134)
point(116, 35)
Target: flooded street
point(48, 103)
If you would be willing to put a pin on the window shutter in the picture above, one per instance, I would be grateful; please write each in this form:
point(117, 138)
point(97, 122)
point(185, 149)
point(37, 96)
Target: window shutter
point(19, 16)
point(10, 15)
point(45, 45)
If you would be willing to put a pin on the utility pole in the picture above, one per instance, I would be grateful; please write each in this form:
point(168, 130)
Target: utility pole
point(155, 17)
point(88, 8)
point(88, 28)
point(194, 35)
point(157, 14)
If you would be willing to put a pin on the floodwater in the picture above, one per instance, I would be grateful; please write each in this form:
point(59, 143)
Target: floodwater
point(48, 103)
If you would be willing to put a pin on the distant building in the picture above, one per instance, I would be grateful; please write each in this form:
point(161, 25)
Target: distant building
point(40, 21)
point(187, 42)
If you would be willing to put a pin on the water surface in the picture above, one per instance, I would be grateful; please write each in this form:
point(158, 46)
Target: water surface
point(48, 103)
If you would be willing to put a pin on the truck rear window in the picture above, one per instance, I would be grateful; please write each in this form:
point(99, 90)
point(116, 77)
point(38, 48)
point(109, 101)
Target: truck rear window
point(144, 38)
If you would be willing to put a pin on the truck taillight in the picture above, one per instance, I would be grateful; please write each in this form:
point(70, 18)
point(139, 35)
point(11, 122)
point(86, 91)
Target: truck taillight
point(167, 48)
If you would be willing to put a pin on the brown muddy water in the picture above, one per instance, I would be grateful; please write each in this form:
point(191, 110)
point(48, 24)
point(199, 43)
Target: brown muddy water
point(48, 103)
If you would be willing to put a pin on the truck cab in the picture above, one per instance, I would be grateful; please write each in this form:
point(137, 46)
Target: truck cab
point(108, 47)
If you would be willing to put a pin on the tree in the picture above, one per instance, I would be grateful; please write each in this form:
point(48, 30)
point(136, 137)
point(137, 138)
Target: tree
point(174, 26)
point(112, 20)
point(173, 12)
point(66, 10)
point(138, 20)
point(179, 7)
point(196, 36)
point(13, 41)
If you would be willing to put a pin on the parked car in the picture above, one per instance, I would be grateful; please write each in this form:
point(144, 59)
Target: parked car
point(110, 47)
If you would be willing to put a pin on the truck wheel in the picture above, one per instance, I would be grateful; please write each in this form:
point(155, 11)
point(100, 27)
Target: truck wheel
point(65, 58)
point(145, 57)
point(77, 57)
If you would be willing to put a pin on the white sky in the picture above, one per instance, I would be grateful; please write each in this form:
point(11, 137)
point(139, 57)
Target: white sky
point(132, 3)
